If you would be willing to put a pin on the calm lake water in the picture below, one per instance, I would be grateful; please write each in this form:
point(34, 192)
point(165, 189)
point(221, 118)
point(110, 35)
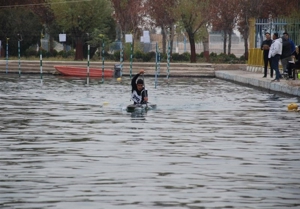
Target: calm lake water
point(209, 144)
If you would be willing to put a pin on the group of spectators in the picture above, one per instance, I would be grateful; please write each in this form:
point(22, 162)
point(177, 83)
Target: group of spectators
point(280, 49)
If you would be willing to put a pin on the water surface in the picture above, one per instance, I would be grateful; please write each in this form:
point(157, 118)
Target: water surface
point(209, 144)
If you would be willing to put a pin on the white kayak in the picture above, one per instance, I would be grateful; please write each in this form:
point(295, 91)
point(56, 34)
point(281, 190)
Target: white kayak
point(140, 107)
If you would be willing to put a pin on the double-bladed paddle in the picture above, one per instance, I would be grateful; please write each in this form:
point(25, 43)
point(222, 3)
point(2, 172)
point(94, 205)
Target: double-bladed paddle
point(145, 90)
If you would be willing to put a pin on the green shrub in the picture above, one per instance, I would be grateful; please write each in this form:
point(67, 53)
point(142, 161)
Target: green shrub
point(164, 57)
point(150, 56)
point(186, 56)
point(127, 51)
point(213, 54)
point(62, 54)
point(175, 56)
point(225, 58)
point(117, 55)
point(232, 56)
point(110, 57)
point(54, 53)
point(201, 55)
point(138, 55)
point(97, 55)
point(71, 53)
point(31, 52)
point(47, 54)
point(242, 58)
point(181, 57)
point(66, 54)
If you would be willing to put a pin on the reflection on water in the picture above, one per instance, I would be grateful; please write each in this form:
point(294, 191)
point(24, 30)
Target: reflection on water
point(209, 144)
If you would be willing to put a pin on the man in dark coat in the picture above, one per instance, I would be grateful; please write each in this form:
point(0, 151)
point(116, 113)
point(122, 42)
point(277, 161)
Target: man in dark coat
point(286, 54)
point(266, 46)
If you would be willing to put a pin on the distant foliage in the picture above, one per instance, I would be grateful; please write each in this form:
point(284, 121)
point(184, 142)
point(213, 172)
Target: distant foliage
point(66, 54)
point(213, 54)
point(225, 58)
point(140, 56)
point(181, 57)
point(30, 52)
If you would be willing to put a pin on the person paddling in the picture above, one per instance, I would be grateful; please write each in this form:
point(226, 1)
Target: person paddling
point(139, 93)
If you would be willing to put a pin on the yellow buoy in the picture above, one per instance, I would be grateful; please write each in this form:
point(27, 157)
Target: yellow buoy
point(292, 107)
point(105, 103)
point(119, 79)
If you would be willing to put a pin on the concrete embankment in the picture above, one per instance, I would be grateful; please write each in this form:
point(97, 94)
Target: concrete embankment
point(230, 72)
point(291, 87)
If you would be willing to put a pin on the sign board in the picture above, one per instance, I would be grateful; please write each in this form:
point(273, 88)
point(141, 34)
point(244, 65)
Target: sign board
point(62, 38)
point(146, 36)
point(128, 38)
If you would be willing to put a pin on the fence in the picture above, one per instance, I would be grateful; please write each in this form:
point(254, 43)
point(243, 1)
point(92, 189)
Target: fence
point(278, 25)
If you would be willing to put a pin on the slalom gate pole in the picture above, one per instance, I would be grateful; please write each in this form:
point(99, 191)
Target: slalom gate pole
point(6, 54)
point(155, 82)
point(102, 61)
point(88, 66)
point(19, 51)
point(121, 59)
point(168, 60)
point(41, 63)
point(131, 52)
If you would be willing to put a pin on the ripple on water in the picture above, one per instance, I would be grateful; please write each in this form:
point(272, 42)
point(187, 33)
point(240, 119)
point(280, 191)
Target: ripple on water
point(209, 144)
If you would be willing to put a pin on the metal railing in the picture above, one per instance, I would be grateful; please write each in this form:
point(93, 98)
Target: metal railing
point(277, 25)
point(271, 25)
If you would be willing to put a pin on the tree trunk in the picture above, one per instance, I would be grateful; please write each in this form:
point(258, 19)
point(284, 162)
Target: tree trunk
point(229, 42)
point(205, 43)
point(164, 38)
point(172, 38)
point(246, 48)
point(193, 47)
point(134, 38)
point(79, 49)
point(246, 36)
point(225, 42)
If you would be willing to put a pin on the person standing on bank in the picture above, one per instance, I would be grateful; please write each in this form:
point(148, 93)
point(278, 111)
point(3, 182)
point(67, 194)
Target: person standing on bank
point(266, 46)
point(286, 54)
point(293, 46)
point(139, 93)
point(274, 54)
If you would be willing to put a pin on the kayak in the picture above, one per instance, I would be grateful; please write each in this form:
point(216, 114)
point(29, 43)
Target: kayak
point(82, 71)
point(140, 107)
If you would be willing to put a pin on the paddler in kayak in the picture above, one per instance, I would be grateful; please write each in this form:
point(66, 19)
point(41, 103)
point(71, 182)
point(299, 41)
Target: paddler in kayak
point(139, 93)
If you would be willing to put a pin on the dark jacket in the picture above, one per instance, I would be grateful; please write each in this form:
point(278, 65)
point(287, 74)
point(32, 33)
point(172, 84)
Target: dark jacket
point(137, 96)
point(297, 57)
point(286, 48)
point(266, 51)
